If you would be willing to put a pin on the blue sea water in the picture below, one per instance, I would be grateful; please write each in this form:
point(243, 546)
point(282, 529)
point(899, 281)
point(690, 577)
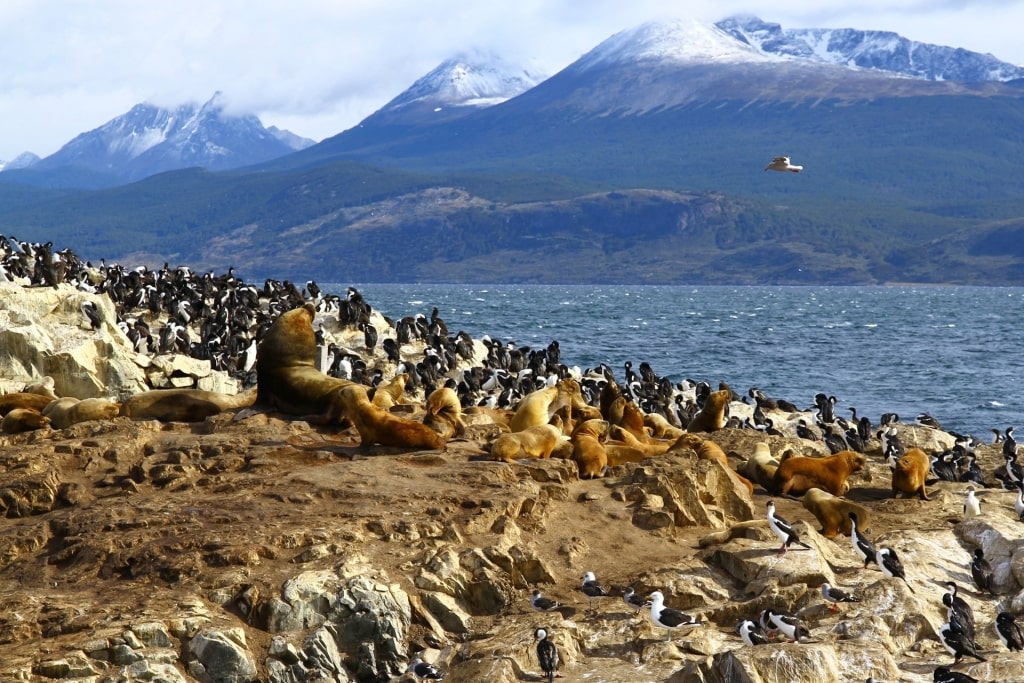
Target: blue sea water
point(953, 352)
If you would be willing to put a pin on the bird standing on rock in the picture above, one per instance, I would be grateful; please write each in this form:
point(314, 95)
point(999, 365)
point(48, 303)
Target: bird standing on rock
point(836, 595)
point(667, 617)
point(781, 528)
point(957, 644)
point(890, 564)
point(547, 654)
point(1009, 632)
point(751, 633)
point(981, 572)
point(863, 546)
point(972, 506)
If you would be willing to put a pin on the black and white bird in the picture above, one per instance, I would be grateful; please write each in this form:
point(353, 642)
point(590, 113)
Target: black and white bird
point(424, 671)
point(959, 612)
point(1009, 444)
point(943, 674)
point(751, 633)
point(836, 595)
point(1018, 503)
point(92, 314)
point(781, 528)
point(782, 164)
point(863, 546)
point(981, 572)
point(972, 506)
point(542, 604)
point(786, 623)
point(667, 617)
point(591, 588)
point(547, 654)
point(957, 644)
point(633, 599)
point(1009, 632)
point(889, 562)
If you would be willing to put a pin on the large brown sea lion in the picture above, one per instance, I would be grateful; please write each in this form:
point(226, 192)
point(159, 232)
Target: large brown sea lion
point(537, 407)
point(376, 425)
point(22, 399)
point(796, 475)
point(712, 416)
point(588, 441)
point(834, 513)
point(286, 374)
point(67, 411)
point(183, 405)
point(19, 420)
point(444, 413)
point(538, 441)
point(910, 472)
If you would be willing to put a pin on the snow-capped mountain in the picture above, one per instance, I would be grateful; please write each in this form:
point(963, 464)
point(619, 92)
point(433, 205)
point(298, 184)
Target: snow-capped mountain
point(23, 160)
point(879, 50)
point(469, 81)
point(150, 139)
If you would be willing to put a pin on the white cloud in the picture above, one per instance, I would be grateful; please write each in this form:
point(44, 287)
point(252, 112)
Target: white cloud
point(317, 67)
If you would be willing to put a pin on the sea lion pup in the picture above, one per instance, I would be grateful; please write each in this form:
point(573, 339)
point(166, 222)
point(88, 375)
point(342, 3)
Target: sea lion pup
point(376, 425)
point(588, 447)
point(799, 473)
point(834, 513)
point(625, 414)
point(444, 413)
point(18, 420)
point(537, 407)
point(713, 415)
point(909, 473)
point(21, 399)
point(391, 394)
point(538, 441)
point(660, 427)
point(760, 466)
point(627, 438)
point(709, 450)
point(287, 379)
point(183, 405)
point(68, 410)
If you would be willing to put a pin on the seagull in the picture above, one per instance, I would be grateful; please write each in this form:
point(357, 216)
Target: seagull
point(836, 595)
point(782, 164)
point(972, 506)
point(957, 644)
point(591, 588)
point(542, 604)
point(547, 654)
point(789, 624)
point(942, 674)
point(667, 617)
point(751, 632)
point(782, 529)
point(864, 548)
point(981, 572)
point(889, 562)
point(1009, 632)
point(424, 671)
point(634, 599)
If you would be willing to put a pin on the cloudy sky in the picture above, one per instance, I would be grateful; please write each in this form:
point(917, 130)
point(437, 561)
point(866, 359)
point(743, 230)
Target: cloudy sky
point(317, 67)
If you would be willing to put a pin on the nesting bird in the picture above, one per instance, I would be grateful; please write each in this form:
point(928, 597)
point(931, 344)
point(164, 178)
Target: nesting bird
point(782, 164)
point(542, 604)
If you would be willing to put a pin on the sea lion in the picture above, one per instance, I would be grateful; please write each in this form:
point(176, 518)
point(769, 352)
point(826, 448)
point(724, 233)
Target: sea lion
point(712, 416)
point(183, 405)
point(21, 399)
point(909, 473)
point(391, 394)
point(538, 441)
point(834, 513)
point(760, 466)
point(660, 428)
point(588, 447)
point(68, 410)
point(19, 420)
point(537, 407)
point(797, 474)
point(43, 387)
point(287, 379)
point(376, 425)
point(444, 413)
point(626, 415)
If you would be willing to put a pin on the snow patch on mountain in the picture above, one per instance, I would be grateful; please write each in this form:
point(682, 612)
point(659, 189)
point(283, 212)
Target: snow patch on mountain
point(471, 79)
point(877, 50)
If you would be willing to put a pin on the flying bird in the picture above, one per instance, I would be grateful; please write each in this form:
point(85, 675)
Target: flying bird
point(782, 164)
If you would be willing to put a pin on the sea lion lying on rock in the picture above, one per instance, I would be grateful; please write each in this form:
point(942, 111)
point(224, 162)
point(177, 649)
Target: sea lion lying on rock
point(834, 513)
point(709, 450)
point(909, 474)
point(68, 410)
point(760, 466)
point(376, 425)
point(588, 451)
point(22, 399)
point(18, 420)
point(287, 378)
point(796, 475)
point(539, 441)
point(391, 394)
point(183, 405)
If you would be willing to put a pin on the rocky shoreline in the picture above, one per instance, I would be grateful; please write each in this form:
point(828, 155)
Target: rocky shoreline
point(255, 546)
